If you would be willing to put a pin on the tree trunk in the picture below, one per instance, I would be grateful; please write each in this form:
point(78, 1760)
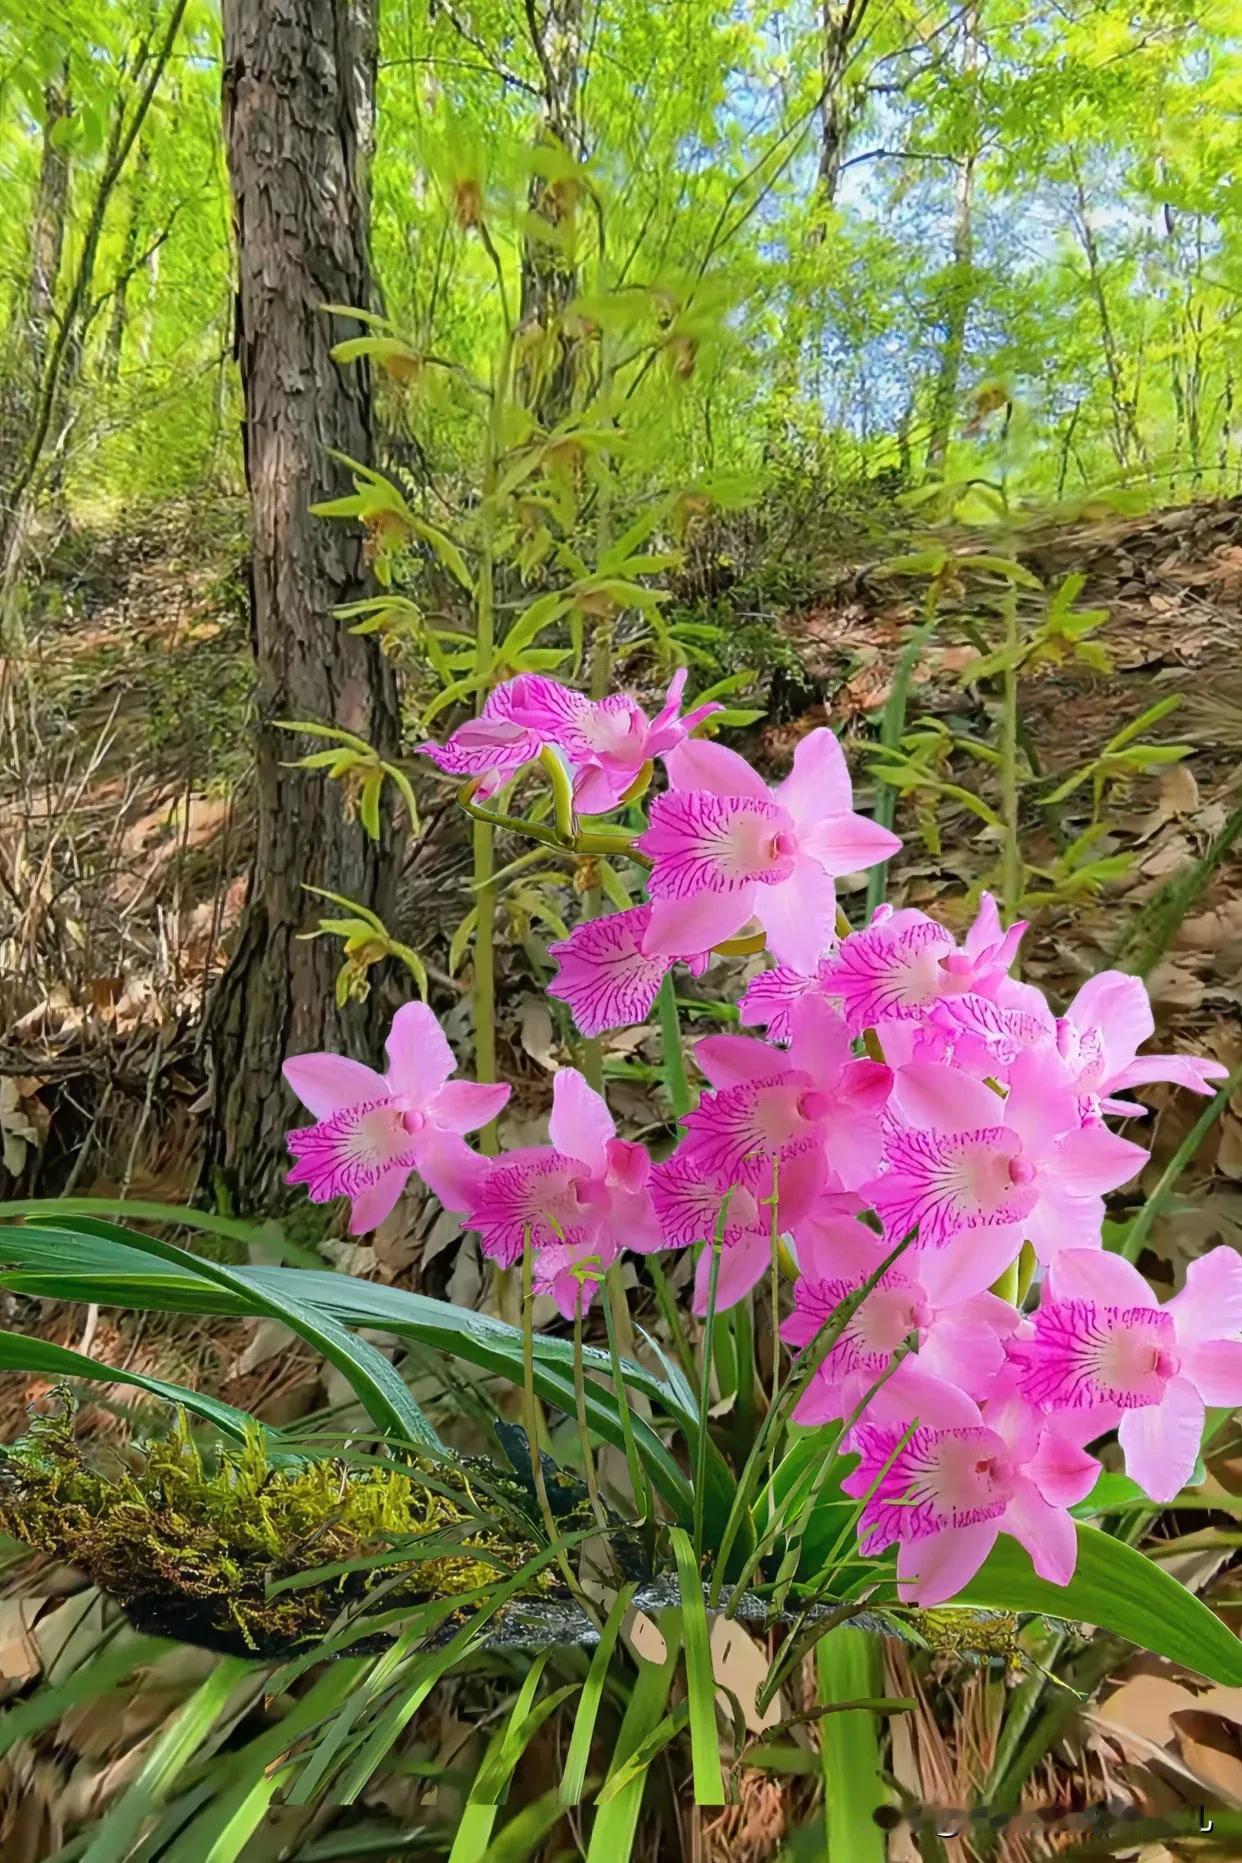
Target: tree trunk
point(47, 233)
point(840, 21)
point(31, 318)
point(298, 87)
point(114, 341)
point(21, 485)
point(549, 279)
point(957, 315)
point(961, 290)
point(1127, 441)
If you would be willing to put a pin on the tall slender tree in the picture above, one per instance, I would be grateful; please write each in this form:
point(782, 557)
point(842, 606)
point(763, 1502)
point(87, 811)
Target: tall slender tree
point(298, 105)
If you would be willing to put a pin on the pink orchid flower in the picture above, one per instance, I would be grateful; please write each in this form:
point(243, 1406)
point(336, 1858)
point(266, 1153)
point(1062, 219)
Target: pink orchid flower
point(492, 747)
point(779, 1117)
point(726, 849)
point(373, 1129)
point(958, 1340)
point(1099, 1037)
point(769, 999)
point(947, 1494)
point(586, 1194)
point(608, 742)
point(903, 962)
point(688, 1210)
point(966, 1161)
point(1102, 1348)
point(604, 974)
point(980, 1036)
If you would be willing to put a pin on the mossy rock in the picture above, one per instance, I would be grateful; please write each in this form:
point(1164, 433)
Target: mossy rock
point(191, 1548)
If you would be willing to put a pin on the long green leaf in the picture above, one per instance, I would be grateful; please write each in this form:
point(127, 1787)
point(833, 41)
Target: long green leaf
point(574, 1776)
point(18, 1353)
point(616, 1819)
point(368, 1372)
point(848, 1669)
point(1118, 1590)
point(68, 1263)
point(700, 1676)
point(168, 1758)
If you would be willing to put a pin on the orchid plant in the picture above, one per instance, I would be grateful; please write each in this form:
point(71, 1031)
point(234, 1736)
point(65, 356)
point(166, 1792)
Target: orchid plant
point(911, 1138)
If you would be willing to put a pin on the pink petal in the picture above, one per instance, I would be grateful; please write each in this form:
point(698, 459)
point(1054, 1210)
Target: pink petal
point(698, 842)
point(698, 923)
point(597, 791)
point(1214, 1367)
point(1047, 1532)
point(603, 973)
point(546, 706)
point(581, 1124)
point(369, 1209)
point(913, 1393)
point(1059, 1222)
point(963, 1352)
point(986, 930)
point(849, 844)
point(1061, 1469)
point(1094, 1160)
point(326, 1083)
point(699, 764)
point(449, 1167)
point(837, 1248)
point(1043, 1099)
point(978, 1260)
point(419, 1058)
point(1210, 1304)
point(1097, 1275)
point(931, 1570)
point(943, 1099)
point(731, 1060)
point(819, 783)
point(689, 1208)
point(892, 968)
point(799, 915)
point(742, 1266)
point(770, 998)
point(1117, 1005)
point(1183, 1070)
point(464, 1105)
point(1161, 1443)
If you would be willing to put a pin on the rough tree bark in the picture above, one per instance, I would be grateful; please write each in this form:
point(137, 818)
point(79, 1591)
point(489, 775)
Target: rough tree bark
point(298, 89)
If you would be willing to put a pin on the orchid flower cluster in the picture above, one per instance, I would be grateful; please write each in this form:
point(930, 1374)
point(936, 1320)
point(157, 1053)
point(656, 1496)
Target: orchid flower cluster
point(906, 1120)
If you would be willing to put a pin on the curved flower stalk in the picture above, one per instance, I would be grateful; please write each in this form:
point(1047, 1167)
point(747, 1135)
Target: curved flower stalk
point(899, 1088)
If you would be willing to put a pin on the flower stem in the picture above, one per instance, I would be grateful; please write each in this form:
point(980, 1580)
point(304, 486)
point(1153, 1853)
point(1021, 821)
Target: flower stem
point(1011, 864)
point(672, 1060)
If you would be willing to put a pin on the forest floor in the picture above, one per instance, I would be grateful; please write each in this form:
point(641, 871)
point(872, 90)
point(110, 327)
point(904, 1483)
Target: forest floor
point(124, 746)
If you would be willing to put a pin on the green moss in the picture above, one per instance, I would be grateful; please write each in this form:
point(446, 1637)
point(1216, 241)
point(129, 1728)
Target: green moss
point(195, 1547)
